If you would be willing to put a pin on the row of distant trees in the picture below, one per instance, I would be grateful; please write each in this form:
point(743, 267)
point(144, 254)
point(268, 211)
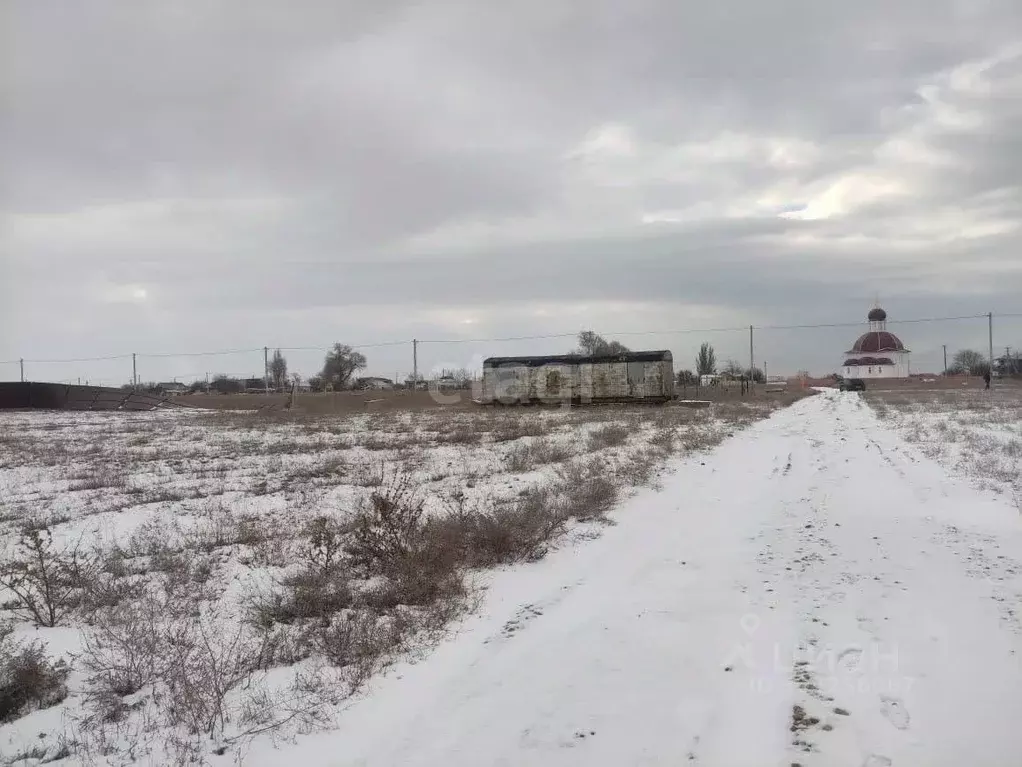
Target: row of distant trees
point(339, 368)
point(590, 343)
point(964, 362)
point(342, 363)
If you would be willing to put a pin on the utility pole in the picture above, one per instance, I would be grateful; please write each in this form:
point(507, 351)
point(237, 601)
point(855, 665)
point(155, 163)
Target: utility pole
point(945, 360)
point(752, 359)
point(990, 330)
point(266, 370)
point(22, 361)
point(415, 363)
point(134, 371)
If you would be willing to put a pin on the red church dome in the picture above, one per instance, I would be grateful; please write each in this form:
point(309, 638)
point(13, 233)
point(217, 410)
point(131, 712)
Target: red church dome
point(877, 341)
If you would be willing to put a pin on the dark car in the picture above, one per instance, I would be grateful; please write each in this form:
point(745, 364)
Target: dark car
point(852, 384)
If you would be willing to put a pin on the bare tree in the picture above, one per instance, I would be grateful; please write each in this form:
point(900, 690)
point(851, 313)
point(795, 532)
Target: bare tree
point(706, 360)
point(970, 361)
point(687, 378)
point(278, 370)
point(734, 368)
point(341, 363)
point(591, 343)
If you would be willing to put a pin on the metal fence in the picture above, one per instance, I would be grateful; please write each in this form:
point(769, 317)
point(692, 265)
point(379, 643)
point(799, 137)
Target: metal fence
point(50, 396)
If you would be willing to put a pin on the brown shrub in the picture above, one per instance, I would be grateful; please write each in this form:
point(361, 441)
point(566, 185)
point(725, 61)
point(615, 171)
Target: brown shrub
point(47, 581)
point(463, 434)
point(609, 435)
point(587, 500)
point(359, 639)
point(515, 532)
point(122, 653)
point(309, 594)
point(511, 429)
point(663, 439)
point(525, 457)
point(386, 529)
point(29, 680)
point(320, 589)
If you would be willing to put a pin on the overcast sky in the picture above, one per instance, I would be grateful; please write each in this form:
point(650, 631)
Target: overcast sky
point(197, 176)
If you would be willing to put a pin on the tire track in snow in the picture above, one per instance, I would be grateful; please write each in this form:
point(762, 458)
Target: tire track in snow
point(798, 599)
point(864, 542)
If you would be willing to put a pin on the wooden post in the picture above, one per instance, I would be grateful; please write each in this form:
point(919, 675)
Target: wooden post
point(752, 359)
point(266, 370)
point(990, 331)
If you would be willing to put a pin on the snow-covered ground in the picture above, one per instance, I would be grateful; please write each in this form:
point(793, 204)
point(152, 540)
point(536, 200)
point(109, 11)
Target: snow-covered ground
point(975, 433)
point(815, 591)
point(189, 523)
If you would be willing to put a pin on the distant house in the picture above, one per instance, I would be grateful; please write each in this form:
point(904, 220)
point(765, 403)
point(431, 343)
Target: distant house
point(172, 387)
point(374, 383)
point(1008, 365)
point(447, 383)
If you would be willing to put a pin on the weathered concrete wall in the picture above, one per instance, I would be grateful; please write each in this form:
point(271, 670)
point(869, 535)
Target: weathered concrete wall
point(52, 396)
point(587, 382)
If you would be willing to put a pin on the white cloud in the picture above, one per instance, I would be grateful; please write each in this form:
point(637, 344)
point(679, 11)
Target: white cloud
point(113, 293)
point(386, 170)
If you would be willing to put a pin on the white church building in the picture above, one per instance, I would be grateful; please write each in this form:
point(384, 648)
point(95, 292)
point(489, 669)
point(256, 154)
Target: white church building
point(877, 353)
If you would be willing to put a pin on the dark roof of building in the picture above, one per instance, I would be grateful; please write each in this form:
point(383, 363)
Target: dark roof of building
point(869, 361)
point(877, 341)
point(877, 315)
point(579, 359)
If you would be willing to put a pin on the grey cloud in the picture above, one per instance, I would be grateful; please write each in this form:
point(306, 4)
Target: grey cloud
point(365, 125)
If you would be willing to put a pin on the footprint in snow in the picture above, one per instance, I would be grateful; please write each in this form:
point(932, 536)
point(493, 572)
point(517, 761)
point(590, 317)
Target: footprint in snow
point(895, 713)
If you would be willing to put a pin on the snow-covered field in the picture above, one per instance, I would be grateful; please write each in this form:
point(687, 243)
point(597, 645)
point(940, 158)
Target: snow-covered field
point(814, 591)
point(207, 583)
point(975, 433)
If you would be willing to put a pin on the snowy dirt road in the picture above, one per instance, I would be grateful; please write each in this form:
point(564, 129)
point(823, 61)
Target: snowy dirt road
point(812, 592)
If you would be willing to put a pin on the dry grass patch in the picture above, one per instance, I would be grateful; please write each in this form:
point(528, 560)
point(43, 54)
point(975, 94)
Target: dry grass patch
point(343, 557)
point(527, 456)
point(610, 435)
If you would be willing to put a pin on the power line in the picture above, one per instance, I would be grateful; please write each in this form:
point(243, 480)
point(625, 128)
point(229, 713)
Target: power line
point(857, 324)
point(736, 329)
point(223, 352)
point(327, 348)
point(743, 329)
point(538, 337)
point(80, 359)
point(496, 340)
